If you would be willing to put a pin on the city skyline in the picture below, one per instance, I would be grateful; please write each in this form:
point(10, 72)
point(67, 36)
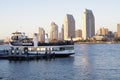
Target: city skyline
point(28, 15)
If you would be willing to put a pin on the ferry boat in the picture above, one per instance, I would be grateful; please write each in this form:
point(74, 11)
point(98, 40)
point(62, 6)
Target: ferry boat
point(21, 44)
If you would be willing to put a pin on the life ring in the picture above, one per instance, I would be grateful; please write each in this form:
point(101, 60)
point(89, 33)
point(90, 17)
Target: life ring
point(17, 51)
point(25, 50)
point(12, 50)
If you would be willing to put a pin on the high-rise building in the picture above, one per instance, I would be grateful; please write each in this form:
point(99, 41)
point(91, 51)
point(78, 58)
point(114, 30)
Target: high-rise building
point(53, 32)
point(41, 35)
point(61, 34)
point(88, 24)
point(78, 33)
point(69, 27)
point(118, 30)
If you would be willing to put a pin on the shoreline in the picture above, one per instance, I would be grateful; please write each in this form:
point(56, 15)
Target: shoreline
point(110, 42)
point(97, 42)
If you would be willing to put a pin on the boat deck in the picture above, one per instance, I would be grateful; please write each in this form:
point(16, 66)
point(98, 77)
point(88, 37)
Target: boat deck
point(31, 56)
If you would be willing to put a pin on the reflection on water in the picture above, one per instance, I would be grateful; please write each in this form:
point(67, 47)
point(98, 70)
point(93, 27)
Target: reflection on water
point(87, 63)
point(98, 61)
point(91, 62)
point(86, 66)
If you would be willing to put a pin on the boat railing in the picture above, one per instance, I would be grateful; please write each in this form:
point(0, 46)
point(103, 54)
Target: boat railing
point(56, 43)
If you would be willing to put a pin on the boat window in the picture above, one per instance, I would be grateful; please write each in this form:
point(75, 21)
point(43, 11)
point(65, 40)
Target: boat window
point(69, 48)
point(62, 48)
point(42, 49)
point(56, 49)
point(29, 49)
point(38, 49)
point(33, 49)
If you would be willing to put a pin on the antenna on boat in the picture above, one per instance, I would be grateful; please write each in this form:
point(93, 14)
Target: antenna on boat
point(71, 40)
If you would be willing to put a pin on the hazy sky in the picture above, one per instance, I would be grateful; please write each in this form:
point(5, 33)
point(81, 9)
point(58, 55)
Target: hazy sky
point(28, 15)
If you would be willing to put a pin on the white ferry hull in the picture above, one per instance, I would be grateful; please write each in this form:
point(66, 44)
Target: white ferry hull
point(63, 53)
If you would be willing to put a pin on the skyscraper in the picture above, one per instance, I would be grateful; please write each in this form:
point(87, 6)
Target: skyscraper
point(88, 24)
point(118, 30)
point(61, 34)
point(41, 35)
point(53, 32)
point(69, 27)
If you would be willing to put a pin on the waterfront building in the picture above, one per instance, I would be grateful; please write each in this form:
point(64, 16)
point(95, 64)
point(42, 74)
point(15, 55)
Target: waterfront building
point(62, 33)
point(41, 35)
point(60, 36)
point(118, 30)
point(115, 35)
point(98, 32)
point(100, 37)
point(103, 31)
point(46, 38)
point(88, 24)
point(110, 35)
point(53, 32)
point(78, 33)
point(69, 27)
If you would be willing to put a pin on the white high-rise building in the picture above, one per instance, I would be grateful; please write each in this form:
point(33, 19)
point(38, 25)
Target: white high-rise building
point(41, 35)
point(69, 27)
point(53, 32)
point(61, 34)
point(88, 24)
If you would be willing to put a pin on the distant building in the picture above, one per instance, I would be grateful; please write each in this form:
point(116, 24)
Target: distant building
point(115, 35)
point(110, 35)
point(103, 31)
point(62, 33)
point(46, 38)
point(100, 37)
point(53, 32)
point(41, 35)
point(88, 24)
point(2, 42)
point(69, 27)
point(78, 33)
point(60, 36)
point(118, 30)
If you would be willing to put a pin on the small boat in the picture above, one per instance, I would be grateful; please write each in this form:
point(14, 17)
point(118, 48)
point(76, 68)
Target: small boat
point(21, 44)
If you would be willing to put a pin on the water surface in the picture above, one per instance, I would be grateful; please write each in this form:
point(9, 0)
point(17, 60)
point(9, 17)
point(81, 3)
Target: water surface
point(91, 62)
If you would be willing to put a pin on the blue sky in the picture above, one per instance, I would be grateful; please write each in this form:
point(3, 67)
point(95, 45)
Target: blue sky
point(28, 15)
